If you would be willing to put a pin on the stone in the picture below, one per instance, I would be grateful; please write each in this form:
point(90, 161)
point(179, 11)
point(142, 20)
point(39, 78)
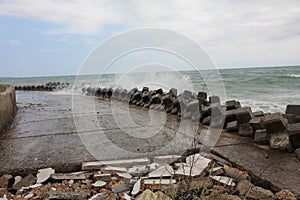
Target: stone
point(202, 95)
point(258, 193)
point(217, 192)
point(245, 130)
point(65, 195)
point(203, 182)
point(147, 195)
point(17, 180)
point(163, 171)
point(44, 174)
point(261, 136)
point(294, 135)
point(4, 180)
point(230, 116)
point(232, 104)
point(291, 118)
point(244, 186)
point(275, 123)
point(297, 153)
point(243, 115)
point(236, 174)
point(173, 92)
point(206, 120)
point(123, 163)
point(99, 184)
point(26, 181)
point(280, 141)
point(168, 103)
point(257, 123)
point(232, 126)
point(187, 94)
point(167, 159)
point(285, 195)
point(70, 176)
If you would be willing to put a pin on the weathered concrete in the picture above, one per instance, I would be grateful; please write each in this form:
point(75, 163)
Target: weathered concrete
point(7, 105)
point(44, 135)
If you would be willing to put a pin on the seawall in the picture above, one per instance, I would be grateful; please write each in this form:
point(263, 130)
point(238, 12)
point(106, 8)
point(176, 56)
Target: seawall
point(7, 105)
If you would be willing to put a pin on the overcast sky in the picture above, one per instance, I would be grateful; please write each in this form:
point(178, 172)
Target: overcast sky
point(53, 37)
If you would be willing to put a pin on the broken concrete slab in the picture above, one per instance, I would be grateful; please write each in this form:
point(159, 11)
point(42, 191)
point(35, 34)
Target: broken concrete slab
point(275, 123)
point(102, 177)
point(163, 171)
point(243, 115)
point(167, 159)
point(224, 180)
point(136, 187)
point(70, 176)
point(120, 163)
point(123, 175)
point(280, 141)
point(44, 174)
point(157, 183)
point(111, 169)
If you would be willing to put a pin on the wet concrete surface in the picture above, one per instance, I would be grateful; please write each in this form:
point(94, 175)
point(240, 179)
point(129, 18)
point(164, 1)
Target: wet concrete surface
point(53, 131)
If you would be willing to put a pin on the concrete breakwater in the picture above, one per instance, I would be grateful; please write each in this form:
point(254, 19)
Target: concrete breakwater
point(7, 105)
point(279, 130)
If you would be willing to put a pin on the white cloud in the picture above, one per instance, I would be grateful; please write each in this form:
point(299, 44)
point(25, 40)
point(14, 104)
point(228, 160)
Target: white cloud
point(14, 42)
point(234, 26)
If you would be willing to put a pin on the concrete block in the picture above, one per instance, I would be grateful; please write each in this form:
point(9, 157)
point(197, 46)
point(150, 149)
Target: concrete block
point(232, 126)
point(245, 130)
point(293, 109)
point(261, 136)
point(257, 123)
point(294, 135)
point(243, 115)
point(275, 123)
point(232, 105)
point(291, 118)
point(258, 114)
point(7, 105)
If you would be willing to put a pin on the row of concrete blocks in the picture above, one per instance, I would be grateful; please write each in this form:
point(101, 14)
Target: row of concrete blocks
point(280, 131)
point(50, 86)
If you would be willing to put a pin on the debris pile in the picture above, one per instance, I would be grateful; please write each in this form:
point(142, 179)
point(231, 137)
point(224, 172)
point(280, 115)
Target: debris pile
point(196, 176)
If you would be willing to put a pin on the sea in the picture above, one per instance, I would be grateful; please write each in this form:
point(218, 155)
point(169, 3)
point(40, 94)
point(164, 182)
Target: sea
point(268, 89)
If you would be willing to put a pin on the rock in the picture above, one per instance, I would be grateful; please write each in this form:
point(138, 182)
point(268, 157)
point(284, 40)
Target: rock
point(244, 187)
point(217, 192)
point(200, 183)
point(149, 195)
point(4, 194)
point(168, 103)
point(280, 141)
point(187, 94)
point(293, 109)
point(232, 104)
point(123, 163)
point(294, 135)
point(258, 114)
point(44, 174)
point(243, 115)
point(99, 184)
point(230, 116)
point(232, 126)
point(236, 174)
point(291, 118)
point(65, 195)
point(257, 123)
point(4, 180)
point(202, 95)
point(245, 130)
point(275, 123)
point(17, 180)
point(261, 136)
point(297, 153)
point(258, 193)
point(285, 195)
point(163, 171)
point(26, 181)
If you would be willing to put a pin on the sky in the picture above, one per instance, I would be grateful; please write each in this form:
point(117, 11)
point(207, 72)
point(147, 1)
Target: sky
point(54, 37)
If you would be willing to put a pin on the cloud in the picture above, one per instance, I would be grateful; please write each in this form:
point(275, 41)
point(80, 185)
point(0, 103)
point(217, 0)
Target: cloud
point(14, 42)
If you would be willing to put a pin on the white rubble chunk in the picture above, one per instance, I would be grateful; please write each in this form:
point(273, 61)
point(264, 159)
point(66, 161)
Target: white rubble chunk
point(99, 184)
point(224, 180)
point(163, 171)
point(44, 174)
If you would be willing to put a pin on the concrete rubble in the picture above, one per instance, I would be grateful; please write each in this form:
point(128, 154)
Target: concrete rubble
point(197, 176)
